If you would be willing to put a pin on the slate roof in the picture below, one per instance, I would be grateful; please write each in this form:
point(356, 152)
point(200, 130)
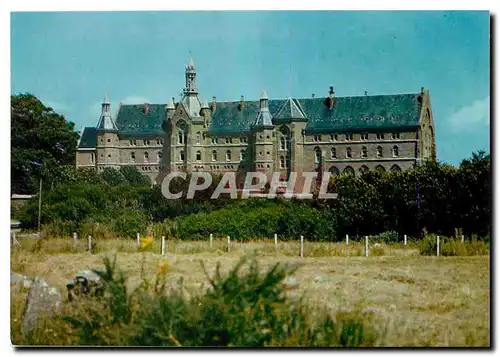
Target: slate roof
point(135, 119)
point(361, 113)
point(89, 138)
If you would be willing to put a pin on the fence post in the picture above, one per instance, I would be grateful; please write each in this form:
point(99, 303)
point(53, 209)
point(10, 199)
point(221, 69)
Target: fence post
point(462, 238)
point(138, 240)
point(14, 240)
point(405, 240)
point(75, 239)
point(211, 240)
point(90, 244)
point(276, 240)
point(163, 246)
point(302, 246)
point(366, 246)
point(437, 248)
point(347, 239)
point(228, 243)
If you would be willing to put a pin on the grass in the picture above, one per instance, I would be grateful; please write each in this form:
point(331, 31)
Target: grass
point(415, 300)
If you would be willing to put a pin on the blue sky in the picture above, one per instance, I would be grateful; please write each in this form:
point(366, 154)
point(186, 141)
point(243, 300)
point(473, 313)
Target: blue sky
point(70, 59)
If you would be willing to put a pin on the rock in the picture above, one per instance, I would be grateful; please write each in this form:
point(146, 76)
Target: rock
point(85, 282)
point(41, 300)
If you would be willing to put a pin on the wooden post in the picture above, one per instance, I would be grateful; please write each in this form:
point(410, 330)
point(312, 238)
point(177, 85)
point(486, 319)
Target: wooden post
point(211, 240)
point(228, 243)
point(75, 239)
point(437, 248)
point(462, 238)
point(302, 246)
point(276, 241)
point(90, 244)
point(347, 239)
point(405, 240)
point(138, 240)
point(366, 246)
point(163, 246)
point(14, 240)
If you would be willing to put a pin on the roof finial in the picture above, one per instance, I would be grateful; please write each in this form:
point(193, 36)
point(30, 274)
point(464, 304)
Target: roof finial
point(106, 100)
point(191, 61)
point(264, 94)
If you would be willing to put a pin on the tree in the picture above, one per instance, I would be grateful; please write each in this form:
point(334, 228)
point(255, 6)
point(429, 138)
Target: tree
point(134, 177)
point(40, 140)
point(113, 177)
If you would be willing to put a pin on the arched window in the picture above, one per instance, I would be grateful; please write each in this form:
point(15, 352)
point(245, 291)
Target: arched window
point(380, 168)
point(395, 168)
point(349, 171)
point(181, 134)
point(334, 153)
point(92, 157)
point(181, 156)
point(364, 151)
point(364, 169)
point(146, 156)
point(334, 171)
point(282, 162)
point(214, 155)
point(198, 155)
point(282, 143)
point(348, 152)
point(395, 151)
point(132, 156)
point(380, 151)
point(242, 155)
point(228, 155)
point(317, 155)
point(198, 138)
point(159, 155)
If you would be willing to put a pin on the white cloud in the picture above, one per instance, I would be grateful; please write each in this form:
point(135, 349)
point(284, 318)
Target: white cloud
point(471, 116)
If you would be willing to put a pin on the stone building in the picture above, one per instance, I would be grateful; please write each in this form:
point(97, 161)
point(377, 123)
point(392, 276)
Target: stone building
point(338, 134)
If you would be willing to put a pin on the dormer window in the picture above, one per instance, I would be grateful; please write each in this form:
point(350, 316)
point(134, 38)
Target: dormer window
point(380, 136)
point(380, 152)
point(348, 153)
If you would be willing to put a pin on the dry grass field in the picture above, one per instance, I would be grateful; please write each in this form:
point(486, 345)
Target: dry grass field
point(416, 300)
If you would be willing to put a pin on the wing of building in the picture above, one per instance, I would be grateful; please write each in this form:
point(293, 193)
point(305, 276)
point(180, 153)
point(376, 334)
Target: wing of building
point(329, 133)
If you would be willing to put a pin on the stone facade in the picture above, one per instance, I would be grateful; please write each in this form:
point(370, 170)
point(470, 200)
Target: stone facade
point(344, 134)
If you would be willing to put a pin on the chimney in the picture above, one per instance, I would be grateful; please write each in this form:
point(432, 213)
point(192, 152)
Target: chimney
point(213, 105)
point(313, 95)
point(146, 108)
point(330, 101)
point(242, 103)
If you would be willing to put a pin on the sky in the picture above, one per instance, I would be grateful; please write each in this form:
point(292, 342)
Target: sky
point(71, 59)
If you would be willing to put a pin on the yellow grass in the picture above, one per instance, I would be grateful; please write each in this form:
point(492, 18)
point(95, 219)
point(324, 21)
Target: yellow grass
point(419, 301)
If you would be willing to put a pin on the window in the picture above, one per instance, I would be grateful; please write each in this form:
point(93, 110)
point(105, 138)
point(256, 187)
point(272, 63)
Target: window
point(348, 136)
point(157, 142)
point(228, 155)
point(268, 153)
point(364, 151)
point(92, 157)
point(198, 155)
point(198, 138)
point(229, 141)
point(109, 140)
point(100, 140)
point(380, 152)
point(214, 155)
point(282, 162)
point(282, 143)
point(364, 136)
point(380, 136)
point(181, 134)
point(135, 142)
point(317, 137)
point(348, 152)
point(395, 135)
point(181, 155)
point(334, 153)
point(214, 140)
point(131, 143)
point(317, 156)
point(242, 155)
point(395, 151)
point(146, 156)
point(332, 137)
point(109, 156)
point(102, 155)
point(159, 155)
point(146, 142)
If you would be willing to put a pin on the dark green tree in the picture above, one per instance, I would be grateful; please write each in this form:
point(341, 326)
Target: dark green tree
point(40, 140)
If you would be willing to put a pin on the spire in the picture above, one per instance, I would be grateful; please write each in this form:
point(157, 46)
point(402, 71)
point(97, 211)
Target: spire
point(191, 62)
point(190, 78)
point(105, 120)
point(264, 118)
point(170, 104)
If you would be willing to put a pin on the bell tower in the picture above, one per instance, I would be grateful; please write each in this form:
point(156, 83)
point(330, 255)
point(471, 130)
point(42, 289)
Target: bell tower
point(190, 78)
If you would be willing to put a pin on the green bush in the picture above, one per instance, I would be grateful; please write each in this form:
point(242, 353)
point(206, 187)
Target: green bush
point(452, 246)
